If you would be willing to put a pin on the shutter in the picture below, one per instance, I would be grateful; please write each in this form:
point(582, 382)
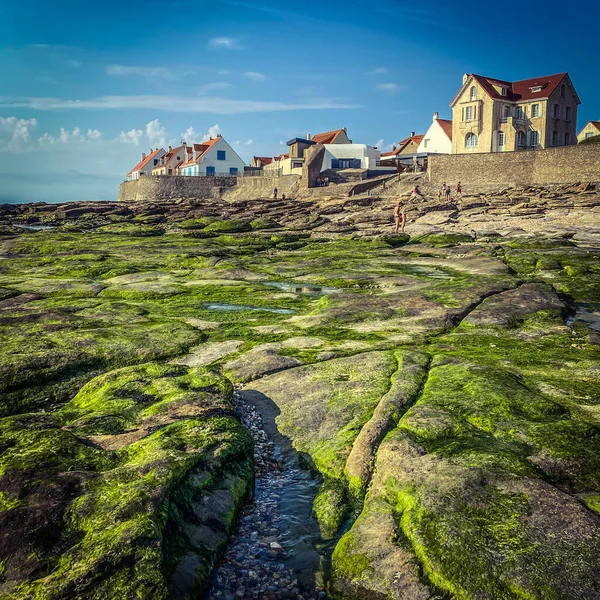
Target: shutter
point(335, 163)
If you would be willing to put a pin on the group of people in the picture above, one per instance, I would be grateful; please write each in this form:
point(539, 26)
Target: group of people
point(400, 212)
point(322, 181)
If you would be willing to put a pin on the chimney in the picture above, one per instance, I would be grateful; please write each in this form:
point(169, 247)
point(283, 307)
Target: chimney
point(435, 116)
point(144, 155)
point(465, 77)
point(184, 144)
point(308, 136)
point(412, 134)
point(345, 129)
point(170, 148)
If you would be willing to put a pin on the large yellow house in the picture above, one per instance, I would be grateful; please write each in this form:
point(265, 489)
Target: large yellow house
point(490, 115)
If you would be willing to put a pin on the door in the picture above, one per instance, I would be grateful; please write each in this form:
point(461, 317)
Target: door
point(210, 170)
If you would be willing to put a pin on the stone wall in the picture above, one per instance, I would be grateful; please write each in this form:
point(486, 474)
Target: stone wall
point(156, 189)
point(570, 164)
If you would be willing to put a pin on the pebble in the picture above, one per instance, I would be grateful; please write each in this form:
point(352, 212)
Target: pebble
point(251, 566)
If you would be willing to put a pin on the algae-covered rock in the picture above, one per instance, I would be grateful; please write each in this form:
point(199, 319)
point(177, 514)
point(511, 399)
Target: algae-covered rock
point(99, 498)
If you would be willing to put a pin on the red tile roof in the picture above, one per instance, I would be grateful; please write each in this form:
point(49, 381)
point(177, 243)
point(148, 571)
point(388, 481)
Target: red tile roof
point(264, 160)
point(446, 125)
point(596, 124)
point(328, 137)
point(401, 145)
point(517, 91)
point(281, 157)
point(144, 161)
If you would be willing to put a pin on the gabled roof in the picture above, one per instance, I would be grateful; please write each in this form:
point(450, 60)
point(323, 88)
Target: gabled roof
point(328, 137)
point(446, 125)
point(596, 124)
point(518, 91)
point(264, 160)
point(281, 157)
point(401, 145)
point(144, 161)
point(201, 150)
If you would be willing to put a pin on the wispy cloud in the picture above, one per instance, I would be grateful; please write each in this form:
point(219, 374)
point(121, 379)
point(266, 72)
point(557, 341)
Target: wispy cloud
point(379, 71)
point(219, 106)
point(224, 43)
point(249, 142)
point(254, 76)
point(68, 136)
point(390, 88)
point(148, 72)
point(74, 63)
point(211, 87)
point(379, 144)
point(15, 133)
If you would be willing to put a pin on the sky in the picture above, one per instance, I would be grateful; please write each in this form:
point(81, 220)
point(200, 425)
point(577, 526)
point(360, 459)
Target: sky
point(86, 87)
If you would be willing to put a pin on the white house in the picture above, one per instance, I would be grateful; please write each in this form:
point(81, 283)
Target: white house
point(213, 157)
point(438, 139)
point(350, 156)
point(145, 166)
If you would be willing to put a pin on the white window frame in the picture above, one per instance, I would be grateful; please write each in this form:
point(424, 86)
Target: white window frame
point(521, 136)
point(501, 139)
point(588, 135)
point(469, 113)
point(473, 93)
point(535, 110)
point(535, 138)
point(474, 143)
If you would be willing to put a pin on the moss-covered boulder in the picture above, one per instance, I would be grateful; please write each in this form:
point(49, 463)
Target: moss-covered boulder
point(106, 498)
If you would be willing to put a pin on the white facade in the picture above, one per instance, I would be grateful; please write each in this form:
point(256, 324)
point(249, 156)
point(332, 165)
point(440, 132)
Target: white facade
point(146, 165)
point(219, 159)
point(436, 140)
point(347, 156)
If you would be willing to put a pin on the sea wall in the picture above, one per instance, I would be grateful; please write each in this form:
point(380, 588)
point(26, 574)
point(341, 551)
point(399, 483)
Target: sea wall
point(571, 164)
point(159, 188)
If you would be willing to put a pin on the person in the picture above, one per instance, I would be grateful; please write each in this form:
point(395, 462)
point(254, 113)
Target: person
point(459, 189)
point(442, 193)
point(275, 193)
point(448, 192)
point(399, 217)
point(283, 196)
point(416, 191)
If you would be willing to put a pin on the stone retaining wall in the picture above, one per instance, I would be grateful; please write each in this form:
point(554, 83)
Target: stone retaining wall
point(572, 164)
point(159, 188)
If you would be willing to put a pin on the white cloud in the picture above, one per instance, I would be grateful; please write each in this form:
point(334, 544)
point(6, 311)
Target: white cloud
point(189, 135)
point(249, 142)
point(237, 143)
point(213, 132)
point(149, 72)
point(220, 106)
point(379, 71)
point(46, 139)
point(223, 72)
point(133, 136)
point(281, 143)
point(211, 87)
point(391, 88)
point(93, 134)
point(255, 76)
point(224, 42)
point(15, 133)
point(379, 144)
point(74, 63)
point(156, 133)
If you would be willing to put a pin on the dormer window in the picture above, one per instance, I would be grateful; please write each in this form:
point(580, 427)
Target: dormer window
point(537, 88)
point(473, 93)
point(504, 91)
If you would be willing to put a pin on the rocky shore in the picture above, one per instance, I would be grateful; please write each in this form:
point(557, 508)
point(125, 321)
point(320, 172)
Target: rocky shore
point(414, 416)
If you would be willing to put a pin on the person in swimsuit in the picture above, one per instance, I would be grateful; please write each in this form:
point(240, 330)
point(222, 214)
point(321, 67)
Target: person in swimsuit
point(459, 189)
point(399, 217)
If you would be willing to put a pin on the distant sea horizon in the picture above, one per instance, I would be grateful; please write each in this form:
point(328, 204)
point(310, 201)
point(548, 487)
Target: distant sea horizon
point(31, 201)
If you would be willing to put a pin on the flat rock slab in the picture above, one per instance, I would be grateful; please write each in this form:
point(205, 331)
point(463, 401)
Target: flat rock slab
point(258, 362)
point(208, 353)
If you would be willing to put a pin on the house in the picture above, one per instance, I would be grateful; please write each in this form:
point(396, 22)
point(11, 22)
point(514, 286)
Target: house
point(213, 157)
point(438, 139)
point(145, 166)
point(291, 163)
point(491, 115)
point(261, 161)
point(591, 129)
point(168, 163)
point(350, 156)
point(408, 145)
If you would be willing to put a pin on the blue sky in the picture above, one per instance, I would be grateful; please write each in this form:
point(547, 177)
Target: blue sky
point(86, 87)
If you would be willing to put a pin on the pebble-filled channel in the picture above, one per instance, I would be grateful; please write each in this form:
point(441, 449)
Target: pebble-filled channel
point(273, 553)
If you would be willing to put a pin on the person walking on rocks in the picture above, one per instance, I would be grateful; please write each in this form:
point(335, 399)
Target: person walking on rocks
point(442, 192)
point(448, 192)
point(275, 190)
point(399, 217)
point(459, 189)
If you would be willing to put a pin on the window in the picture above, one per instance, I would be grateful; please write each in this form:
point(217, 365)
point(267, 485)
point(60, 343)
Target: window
point(588, 135)
point(469, 113)
point(535, 110)
point(556, 112)
point(501, 139)
point(506, 111)
point(233, 170)
point(563, 90)
point(210, 170)
point(536, 88)
point(221, 155)
point(568, 113)
point(555, 138)
point(425, 143)
point(535, 138)
point(196, 170)
point(567, 139)
point(473, 94)
point(471, 140)
point(503, 91)
point(521, 139)
point(170, 172)
point(155, 161)
point(520, 112)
